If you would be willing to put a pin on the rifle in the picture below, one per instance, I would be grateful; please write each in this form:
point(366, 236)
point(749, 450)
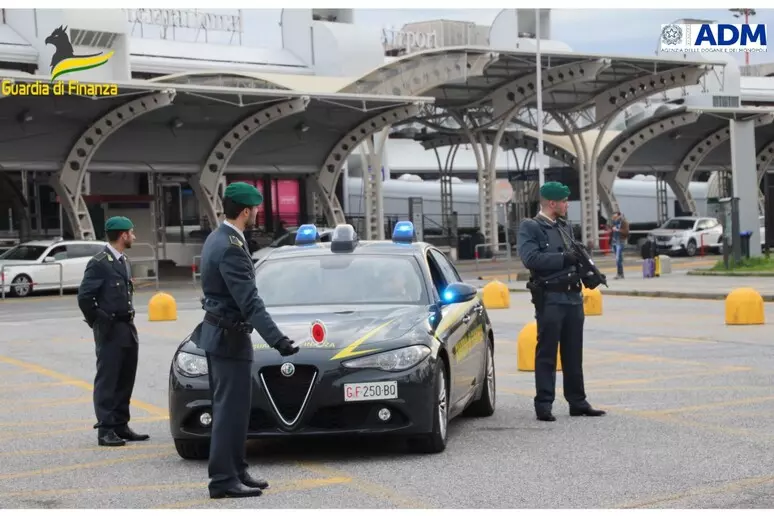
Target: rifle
point(590, 275)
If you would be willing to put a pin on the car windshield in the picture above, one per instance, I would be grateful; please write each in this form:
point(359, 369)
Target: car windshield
point(338, 279)
point(25, 252)
point(288, 238)
point(679, 224)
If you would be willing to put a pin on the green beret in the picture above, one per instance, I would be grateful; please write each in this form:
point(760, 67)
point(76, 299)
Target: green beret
point(554, 191)
point(244, 194)
point(118, 224)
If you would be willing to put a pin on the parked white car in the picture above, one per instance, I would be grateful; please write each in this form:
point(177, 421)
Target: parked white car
point(687, 234)
point(36, 265)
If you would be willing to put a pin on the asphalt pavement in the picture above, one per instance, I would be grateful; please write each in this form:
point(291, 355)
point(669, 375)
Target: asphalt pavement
point(689, 423)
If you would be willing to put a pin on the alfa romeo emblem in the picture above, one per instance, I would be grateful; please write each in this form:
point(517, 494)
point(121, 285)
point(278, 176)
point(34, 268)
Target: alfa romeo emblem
point(287, 369)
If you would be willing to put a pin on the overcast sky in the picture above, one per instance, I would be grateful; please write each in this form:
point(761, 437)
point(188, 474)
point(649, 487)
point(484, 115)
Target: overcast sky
point(614, 31)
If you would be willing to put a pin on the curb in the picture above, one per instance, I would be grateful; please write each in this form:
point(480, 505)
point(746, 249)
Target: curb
point(760, 274)
point(767, 298)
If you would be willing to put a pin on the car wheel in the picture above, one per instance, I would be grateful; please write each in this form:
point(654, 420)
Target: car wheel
point(485, 405)
point(193, 449)
point(435, 441)
point(21, 285)
point(690, 249)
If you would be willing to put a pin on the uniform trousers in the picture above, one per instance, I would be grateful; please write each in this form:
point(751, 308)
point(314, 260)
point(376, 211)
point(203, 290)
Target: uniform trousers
point(117, 353)
point(231, 391)
point(559, 326)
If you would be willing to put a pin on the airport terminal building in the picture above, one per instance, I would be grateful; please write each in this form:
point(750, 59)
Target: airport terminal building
point(340, 123)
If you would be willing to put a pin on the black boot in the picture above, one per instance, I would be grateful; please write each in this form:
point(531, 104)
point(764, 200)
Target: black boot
point(588, 410)
point(109, 438)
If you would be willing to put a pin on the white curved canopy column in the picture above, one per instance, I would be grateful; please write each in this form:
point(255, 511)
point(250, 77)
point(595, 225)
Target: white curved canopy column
point(68, 182)
point(681, 177)
point(608, 105)
point(205, 183)
point(762, 163)
point(615, 162)
point(330, 172)
point(506, 101)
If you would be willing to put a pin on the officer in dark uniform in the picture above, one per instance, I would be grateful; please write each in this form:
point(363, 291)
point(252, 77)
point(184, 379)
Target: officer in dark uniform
point(232, 309)
point(544, 248)
point(105, 299)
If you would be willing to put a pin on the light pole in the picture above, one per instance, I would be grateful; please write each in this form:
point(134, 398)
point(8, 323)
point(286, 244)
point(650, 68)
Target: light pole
point(539, 74)
point(747, 13)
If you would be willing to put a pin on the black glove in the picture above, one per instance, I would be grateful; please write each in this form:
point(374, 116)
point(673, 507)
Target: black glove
point(570, 259)
point(285, 347)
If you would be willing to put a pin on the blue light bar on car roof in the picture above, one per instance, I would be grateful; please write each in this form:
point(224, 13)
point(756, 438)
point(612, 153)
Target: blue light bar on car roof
point(403, 232)
point(306, 234)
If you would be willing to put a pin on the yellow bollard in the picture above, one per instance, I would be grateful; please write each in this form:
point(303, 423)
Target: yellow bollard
point(744, 306)
point(592, 301)
point(162, 307)
point(496, 295)
point(526, 345)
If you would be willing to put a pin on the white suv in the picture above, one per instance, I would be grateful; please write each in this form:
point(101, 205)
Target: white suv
point(687, 234)
point(37, 265)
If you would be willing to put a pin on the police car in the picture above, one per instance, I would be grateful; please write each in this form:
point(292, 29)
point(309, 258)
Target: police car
point(392, 342)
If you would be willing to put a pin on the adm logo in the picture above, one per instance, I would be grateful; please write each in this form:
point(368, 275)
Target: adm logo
point(66, 61)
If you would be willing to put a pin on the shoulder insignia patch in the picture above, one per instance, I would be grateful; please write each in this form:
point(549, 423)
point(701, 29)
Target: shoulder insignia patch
point(235, 240)
point(100, 255)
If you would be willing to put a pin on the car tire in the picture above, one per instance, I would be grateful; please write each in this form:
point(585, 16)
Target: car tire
point(24, 283)
point(484, 406)
point(193, 449)
point(690, 249)
point(435, 441)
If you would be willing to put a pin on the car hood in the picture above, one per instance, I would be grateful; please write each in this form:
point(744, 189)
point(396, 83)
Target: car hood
point(348, 330)
point(668, 232)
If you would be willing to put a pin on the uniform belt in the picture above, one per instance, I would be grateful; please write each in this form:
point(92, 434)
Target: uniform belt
point(563, 287)
point(227, 324)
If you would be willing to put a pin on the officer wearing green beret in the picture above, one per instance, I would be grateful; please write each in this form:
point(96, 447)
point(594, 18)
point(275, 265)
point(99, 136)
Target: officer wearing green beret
point(105, 299)
point(545, 249)
point(232, 309)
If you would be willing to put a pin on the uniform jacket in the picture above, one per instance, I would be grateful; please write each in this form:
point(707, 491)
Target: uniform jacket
point(105, 296)
point(541, 247)
point(228, 283)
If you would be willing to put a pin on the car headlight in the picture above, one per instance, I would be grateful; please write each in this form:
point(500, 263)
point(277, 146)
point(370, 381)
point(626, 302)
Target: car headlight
point(191, 365)
point(395, 360)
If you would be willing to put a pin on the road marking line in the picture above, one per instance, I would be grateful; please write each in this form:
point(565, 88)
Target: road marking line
point(285, 487)
point(734, 485)
point(147, 407)
point(369, 488)
point(84, 465)
point(83, 421)
point(121, 449)
point(101, 490)
point(706, 406)
point(54, 433)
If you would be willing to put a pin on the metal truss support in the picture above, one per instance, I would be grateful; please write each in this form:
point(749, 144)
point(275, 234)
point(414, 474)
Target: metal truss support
point(448, 221)
point(586, 180)
point(205, 184)
point(680, 179)
point(328, 177)
point(617, 159)
point(762, 163)
point(372, 185)
point(421, 73)
point(19, 201)
point(613, 101)
point(662, 199)
point(68, 182)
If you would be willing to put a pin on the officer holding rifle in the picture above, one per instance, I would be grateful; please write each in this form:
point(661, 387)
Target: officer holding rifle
point(558, 267)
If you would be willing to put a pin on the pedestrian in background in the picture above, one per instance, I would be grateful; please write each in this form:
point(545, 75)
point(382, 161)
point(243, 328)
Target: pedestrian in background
point(105, 299)
point(619, 233)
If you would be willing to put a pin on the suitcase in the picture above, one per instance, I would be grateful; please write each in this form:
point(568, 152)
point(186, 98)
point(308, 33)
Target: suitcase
point(648, 268)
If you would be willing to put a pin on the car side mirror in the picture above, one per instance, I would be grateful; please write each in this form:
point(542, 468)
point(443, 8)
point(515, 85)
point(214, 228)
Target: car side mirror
point(458, 293)
point(48, 259)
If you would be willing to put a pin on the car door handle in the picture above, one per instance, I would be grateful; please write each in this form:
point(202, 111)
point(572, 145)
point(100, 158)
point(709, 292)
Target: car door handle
point(466, 319)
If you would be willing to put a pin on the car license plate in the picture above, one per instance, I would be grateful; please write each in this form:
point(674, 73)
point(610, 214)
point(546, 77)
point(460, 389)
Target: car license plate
point(370, 391)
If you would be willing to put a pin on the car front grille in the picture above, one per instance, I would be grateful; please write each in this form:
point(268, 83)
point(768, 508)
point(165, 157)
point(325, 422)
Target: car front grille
point(288, 395)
